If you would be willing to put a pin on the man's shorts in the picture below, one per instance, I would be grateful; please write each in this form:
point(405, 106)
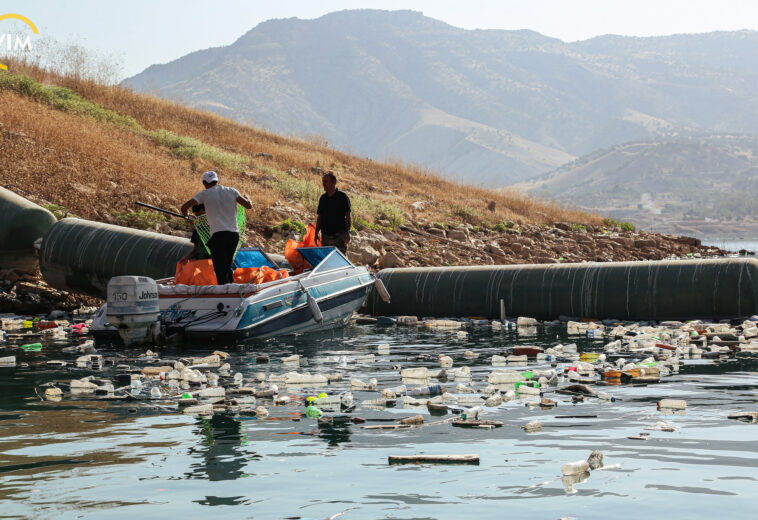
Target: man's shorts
point(334, 240)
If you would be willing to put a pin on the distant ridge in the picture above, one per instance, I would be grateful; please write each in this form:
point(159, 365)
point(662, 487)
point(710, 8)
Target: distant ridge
point(704, 186)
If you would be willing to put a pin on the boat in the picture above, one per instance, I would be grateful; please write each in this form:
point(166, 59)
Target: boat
point(325, 296)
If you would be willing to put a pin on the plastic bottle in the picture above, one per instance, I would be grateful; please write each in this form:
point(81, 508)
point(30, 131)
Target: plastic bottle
point(472, 413)
point(398, 390)
point(605, 396)
point(155, 393)
point(672, 404)
point(313, 412)
point(427, 390)
point(575, 468)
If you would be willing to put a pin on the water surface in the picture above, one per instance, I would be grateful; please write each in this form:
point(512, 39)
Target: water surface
point(96, 459)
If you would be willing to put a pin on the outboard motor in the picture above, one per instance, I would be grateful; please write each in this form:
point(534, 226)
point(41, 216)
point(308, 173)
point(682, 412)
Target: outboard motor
point(133, 308)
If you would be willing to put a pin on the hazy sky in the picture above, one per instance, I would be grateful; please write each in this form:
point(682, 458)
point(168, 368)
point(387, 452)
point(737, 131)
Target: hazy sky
point(143, 32)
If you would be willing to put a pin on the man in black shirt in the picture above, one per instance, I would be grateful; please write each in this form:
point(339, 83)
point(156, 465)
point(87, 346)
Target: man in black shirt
point(334, 220)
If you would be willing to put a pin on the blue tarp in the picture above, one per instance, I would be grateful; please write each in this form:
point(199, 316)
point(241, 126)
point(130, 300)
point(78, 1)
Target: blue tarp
point(252, 257)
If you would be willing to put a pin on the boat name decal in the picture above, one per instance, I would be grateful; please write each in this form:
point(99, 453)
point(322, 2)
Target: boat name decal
point(177, 314)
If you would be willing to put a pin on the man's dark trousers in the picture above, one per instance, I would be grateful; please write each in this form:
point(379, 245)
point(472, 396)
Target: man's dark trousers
point(223, 244)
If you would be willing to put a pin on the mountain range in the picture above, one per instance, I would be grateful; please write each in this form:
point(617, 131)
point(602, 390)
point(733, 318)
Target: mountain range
point(653, 119)
point(491, 107)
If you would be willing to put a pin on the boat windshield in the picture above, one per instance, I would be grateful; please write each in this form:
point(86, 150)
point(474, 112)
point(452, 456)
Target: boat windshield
point(324, 258)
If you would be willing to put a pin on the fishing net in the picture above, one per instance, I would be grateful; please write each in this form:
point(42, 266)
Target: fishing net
point(204, 230)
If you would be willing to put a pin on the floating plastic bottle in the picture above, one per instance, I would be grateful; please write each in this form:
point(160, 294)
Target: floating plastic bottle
point(672, 404)
point(313, 412)
point(472, 413)
point(575, 468)
point(426, 390)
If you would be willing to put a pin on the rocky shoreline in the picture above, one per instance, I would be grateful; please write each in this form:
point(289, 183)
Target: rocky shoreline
point(530, 244)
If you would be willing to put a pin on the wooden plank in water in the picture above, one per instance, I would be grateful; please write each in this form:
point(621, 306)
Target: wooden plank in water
point(434, 459)
point(476, 424)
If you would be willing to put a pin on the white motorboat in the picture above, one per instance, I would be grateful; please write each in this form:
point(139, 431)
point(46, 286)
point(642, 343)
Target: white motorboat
point(140, 309)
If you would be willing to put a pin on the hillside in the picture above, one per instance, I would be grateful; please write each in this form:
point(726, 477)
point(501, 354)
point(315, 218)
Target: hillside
point(486, 106)
point(703, 186)
point(84, 149)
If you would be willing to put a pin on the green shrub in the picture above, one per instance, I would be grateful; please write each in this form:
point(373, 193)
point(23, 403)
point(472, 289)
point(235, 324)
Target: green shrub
point(611, 222)
point(626, 226)
point(294, 225)
point(476, 229)
point(371, 209)
point(503, 225)
point(466, 214)
point(578, 227)
point(191, 148)
point(359, 224)
point(58, 211)
point(139, 219)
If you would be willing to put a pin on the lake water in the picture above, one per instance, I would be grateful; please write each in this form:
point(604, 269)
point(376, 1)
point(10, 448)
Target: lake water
point(733, 245)
point(99, 459)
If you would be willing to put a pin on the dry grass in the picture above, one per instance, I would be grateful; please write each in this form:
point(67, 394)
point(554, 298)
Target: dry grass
point(94, 168)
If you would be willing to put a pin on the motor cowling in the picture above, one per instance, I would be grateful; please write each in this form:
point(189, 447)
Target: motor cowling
point(133, 308)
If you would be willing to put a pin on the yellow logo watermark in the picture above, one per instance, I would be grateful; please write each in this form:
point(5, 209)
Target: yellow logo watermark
point(7, 39)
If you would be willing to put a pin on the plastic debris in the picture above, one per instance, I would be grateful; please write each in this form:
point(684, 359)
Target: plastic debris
point(434, 459)
point(414, 373)
point(415, 420)
point(595, 460)
point(575, 468)
point(532, 426)
point(747, 417)
point(53, 394)
point(672, 404)
point(661, 426)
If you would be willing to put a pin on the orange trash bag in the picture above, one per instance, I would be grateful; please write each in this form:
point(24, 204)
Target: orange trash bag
point(258, 275)
point(195, 272)
point(294, 258)
point(269, 275)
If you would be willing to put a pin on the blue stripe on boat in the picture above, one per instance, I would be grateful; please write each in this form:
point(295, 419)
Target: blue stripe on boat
point(256, 312)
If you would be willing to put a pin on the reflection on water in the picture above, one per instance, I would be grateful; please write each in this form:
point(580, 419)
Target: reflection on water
point(115, 459)
point(219, 449)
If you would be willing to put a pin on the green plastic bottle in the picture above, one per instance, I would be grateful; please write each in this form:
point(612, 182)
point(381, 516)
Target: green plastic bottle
point(313, 412)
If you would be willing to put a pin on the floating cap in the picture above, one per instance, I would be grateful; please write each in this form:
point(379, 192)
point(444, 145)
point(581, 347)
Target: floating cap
point(210, 177)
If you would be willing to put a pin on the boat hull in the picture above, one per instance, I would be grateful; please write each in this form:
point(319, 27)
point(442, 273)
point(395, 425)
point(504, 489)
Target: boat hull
point(336, 312)
point(237, 313)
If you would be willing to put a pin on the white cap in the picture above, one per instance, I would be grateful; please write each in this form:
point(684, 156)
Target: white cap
point(209, 177)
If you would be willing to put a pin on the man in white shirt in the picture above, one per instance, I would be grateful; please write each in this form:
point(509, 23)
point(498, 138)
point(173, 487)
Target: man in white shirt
point(221, 211)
